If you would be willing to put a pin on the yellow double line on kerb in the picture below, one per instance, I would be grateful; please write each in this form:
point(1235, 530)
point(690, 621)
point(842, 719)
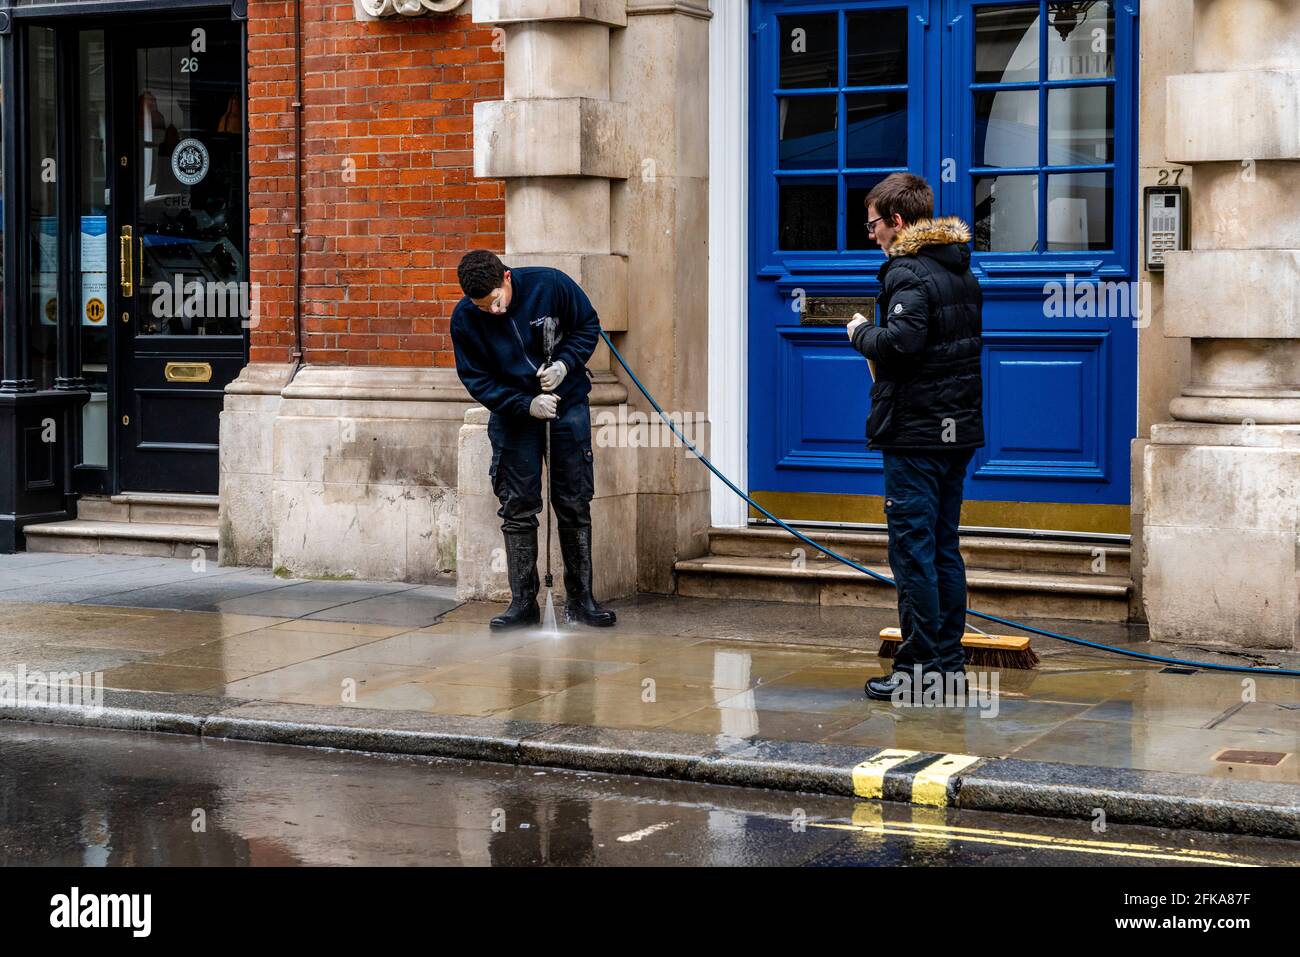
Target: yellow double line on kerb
point(867, 819)
point(930, 788)
point(929, 784)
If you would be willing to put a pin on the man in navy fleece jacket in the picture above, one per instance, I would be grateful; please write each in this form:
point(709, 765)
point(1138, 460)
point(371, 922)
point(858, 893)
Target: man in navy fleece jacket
point(496, 331)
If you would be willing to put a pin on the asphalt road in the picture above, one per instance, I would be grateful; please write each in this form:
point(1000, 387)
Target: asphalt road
point(72, 796)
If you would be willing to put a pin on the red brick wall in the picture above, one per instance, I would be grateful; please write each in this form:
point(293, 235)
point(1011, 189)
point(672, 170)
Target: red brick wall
point(389, 197)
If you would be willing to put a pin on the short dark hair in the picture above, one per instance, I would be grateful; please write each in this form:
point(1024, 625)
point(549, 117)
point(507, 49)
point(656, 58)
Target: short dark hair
point(904, 193)
point(479, 272)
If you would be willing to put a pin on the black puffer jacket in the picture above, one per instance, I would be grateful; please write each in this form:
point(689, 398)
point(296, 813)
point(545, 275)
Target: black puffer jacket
point(929, 394)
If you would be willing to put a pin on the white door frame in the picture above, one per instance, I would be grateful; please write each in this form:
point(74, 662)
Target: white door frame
point(729, 257)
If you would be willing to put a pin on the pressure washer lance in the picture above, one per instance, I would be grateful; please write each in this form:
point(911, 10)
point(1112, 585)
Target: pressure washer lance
point(549, 336)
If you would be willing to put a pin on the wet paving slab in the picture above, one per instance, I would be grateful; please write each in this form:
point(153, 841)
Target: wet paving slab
point(120, 798)
point(739, 671)
point(1017, 725)
point(201, 585)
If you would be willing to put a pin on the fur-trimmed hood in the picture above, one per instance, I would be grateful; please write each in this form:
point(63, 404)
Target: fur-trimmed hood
point(944, 231)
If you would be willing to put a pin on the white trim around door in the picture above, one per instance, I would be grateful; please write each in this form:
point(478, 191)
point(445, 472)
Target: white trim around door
point(729, 256)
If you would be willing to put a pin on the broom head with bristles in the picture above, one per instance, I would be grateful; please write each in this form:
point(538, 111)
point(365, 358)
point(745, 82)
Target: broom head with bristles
point(982, 651)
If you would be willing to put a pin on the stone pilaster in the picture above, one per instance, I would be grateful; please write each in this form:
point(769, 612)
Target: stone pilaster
point(1163, 360)
point(1222, 481)
point(558, 139)
point(661, 69)
point(246, 466)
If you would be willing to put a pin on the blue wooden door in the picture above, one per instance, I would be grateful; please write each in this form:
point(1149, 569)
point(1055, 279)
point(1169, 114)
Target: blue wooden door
point(1022, 117)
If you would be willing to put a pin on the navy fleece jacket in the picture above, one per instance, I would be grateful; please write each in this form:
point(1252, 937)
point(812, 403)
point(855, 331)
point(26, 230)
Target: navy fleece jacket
point(497, 357)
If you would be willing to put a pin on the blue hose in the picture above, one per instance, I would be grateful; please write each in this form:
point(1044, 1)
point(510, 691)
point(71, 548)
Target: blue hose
point(830, 553)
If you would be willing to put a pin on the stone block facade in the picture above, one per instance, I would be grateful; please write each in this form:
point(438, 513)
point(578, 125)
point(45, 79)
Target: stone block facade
point(1221, 482)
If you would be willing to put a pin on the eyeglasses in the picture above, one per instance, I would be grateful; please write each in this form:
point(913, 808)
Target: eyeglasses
point(871, 224)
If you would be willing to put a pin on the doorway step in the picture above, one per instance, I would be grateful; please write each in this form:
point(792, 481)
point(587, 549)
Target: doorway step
point(1014, 577)
point(163, 525)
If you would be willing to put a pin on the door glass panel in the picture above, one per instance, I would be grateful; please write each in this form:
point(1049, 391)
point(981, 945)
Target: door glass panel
point(43, 234)
point(810, 51)
point(850, 135)
point(190, 219)
point(808, 132)
point(93, 198)
point(1080, 45)
point(1080, 126)
point(877, 53)
point(877, 133)
point(1006, 128)
point(1006, 44)
point(807, 215)
point(1078, 211)
point(1006, 213)
point(1077, 42)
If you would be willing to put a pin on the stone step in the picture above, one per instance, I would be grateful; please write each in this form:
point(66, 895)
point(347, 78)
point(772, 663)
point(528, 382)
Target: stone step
point(101, 508)
point(1012, 594)
point(979, 551)
point(150, 508)
point(92, 537)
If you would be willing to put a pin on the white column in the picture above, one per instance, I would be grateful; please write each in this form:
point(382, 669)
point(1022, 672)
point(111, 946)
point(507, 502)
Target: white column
point(728, 257)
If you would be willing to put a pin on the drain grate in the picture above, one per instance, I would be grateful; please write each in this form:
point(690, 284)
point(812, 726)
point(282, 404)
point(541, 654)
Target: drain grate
point(1267, 758)
point(1178, 671)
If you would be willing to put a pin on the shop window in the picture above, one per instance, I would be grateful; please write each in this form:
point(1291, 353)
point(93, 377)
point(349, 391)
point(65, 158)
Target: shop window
point(93, 198)
point(42, 209)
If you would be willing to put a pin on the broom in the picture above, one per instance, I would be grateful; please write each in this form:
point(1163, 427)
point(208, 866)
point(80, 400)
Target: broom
point(982, 650)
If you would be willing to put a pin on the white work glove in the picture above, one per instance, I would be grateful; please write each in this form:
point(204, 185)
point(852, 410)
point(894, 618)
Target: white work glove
point(552, 375)
point(543, 407)
point(858, 319)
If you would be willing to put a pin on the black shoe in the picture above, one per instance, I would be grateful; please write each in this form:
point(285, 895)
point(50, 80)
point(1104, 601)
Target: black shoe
point(521, 568)
point(886, 687)
point(579, 605)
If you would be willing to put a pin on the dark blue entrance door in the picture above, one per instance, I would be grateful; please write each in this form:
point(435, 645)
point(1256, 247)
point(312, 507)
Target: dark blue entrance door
point(1022, 117)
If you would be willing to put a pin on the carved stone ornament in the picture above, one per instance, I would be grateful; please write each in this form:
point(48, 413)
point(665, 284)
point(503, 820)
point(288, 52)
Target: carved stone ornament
point(381, 9)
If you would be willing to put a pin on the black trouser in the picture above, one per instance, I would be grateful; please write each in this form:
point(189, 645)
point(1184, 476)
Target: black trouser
point(923, 496)
point(518, 449)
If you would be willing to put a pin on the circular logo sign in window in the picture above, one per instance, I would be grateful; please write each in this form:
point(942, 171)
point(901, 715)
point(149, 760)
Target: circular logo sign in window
point(190, 161)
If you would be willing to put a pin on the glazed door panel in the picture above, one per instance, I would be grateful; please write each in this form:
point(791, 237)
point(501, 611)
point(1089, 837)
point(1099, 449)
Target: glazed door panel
point(997, 105)
point(179, 256)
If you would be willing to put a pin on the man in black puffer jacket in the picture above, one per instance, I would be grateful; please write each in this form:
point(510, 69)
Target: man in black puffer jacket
point(926, 417)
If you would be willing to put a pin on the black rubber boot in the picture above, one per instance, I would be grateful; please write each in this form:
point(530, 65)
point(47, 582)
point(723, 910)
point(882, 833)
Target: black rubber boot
point(521, 567)
point(579, 605)
point(887, 687)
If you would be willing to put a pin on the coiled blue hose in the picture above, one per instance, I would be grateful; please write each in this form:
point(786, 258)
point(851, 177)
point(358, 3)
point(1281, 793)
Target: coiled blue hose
point(831, 553)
